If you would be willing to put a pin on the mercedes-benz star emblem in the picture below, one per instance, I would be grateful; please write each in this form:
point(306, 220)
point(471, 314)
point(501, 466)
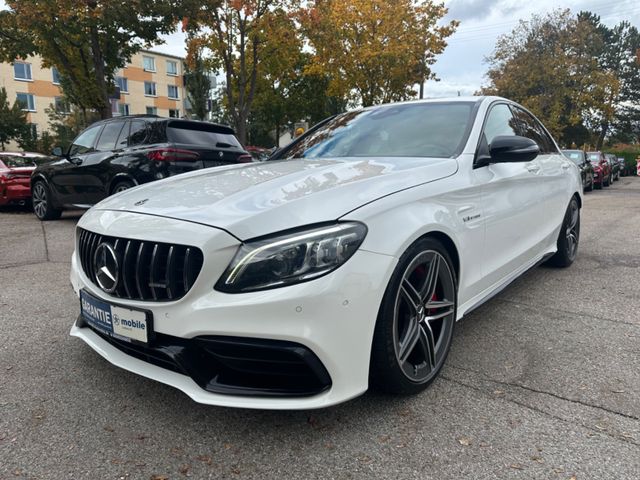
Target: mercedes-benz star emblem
point(105, 262)
point(221, 154)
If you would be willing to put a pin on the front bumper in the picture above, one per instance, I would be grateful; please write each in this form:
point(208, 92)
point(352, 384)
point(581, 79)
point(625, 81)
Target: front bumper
point(330, 319)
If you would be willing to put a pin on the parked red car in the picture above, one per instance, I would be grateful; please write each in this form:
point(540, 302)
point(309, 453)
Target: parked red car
point(602, 174)
point(15, 176)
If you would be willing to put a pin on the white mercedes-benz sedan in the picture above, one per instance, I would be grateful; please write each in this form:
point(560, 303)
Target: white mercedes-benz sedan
point(341, 263)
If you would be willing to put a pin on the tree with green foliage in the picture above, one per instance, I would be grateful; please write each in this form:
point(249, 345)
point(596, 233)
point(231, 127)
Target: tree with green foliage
point(550, 64)
point(13, 120)
point(87, 40)
point(197, 81)
point(375, 50)
point(617, 55)
point(242, 36)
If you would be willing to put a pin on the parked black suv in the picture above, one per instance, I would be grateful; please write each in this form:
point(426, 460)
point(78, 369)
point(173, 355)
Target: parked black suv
point(116, 154)
point(586, 169)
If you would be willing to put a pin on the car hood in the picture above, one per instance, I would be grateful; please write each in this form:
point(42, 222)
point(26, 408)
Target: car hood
point(250, 200)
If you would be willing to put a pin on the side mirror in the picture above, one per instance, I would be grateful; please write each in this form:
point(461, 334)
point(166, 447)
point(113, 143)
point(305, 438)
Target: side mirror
point(57, 152)
point(512, 148)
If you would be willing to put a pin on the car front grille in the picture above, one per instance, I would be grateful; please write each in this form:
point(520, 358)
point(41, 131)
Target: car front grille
point(150, 271)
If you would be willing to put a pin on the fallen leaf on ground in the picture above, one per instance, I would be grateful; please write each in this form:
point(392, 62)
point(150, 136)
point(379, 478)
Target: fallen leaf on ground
point(517, 466)
point(464, 441)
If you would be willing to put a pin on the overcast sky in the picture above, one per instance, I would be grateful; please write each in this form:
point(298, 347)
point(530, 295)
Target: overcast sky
point(461, 67)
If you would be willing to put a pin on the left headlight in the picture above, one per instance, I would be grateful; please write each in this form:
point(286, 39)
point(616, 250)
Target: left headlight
point(292, 257)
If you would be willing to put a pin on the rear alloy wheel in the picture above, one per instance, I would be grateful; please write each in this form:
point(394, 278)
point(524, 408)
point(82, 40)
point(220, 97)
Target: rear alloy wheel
point(41, 201)
point(590, 187)
point(122, 186)
point(569, 237)
point(415, 324)
point(607, 182)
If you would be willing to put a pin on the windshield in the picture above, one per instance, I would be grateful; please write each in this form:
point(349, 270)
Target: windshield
point(18, 161)
point(593, 157)
point(437, 129)
point(575, 155)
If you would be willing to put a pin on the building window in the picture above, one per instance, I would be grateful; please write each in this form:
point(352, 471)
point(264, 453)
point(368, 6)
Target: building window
point(55, 74)
point(26, 101)
point(150, 89)
point(115, 106)
point(123, 84)
point(174, 113)
point(172, 67)
point(173, 91)
point(149, 64)
point(22, 71)
point(61, 106)
point(152, 110)
point(124, 109)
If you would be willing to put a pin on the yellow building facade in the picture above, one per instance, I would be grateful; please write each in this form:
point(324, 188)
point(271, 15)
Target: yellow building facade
point(152, 83)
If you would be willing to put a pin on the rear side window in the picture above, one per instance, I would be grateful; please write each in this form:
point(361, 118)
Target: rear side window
point(204, 135)
point(530, 128)
point(85, 141)
point(138, 132)
point(109, 136)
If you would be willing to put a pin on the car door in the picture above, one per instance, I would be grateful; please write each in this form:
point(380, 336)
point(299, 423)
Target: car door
point(97, 168)
point(510, 201)
point(67, 180)
point(554, 169)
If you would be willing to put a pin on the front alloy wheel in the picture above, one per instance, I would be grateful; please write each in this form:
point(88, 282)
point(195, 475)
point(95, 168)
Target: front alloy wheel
point(415, 325)
point(41, 201)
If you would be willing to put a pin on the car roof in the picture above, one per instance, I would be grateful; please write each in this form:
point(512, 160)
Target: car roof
point(158, 119)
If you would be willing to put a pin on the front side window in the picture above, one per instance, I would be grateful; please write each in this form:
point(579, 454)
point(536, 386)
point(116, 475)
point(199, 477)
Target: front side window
point(123, 84)
point(150, 89)
point(55, 75)
point(500, 121)
point(109, 135)
point(26, 101)
point(172, 67)
point(22, 71)
point(172, 91)
point(530, 128)
point(85, 141)
point(434, 129)
point(149, 64)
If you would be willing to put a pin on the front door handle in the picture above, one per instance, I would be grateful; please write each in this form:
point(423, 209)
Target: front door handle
point(565, 166)
point(533, 168)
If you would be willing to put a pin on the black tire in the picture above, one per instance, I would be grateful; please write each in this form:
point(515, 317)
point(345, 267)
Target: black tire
point(598, 186)
point(121, 186)
point(568, 238)
point(415, 323)
point(607, 182)
point(41, 202)
point(590, 187)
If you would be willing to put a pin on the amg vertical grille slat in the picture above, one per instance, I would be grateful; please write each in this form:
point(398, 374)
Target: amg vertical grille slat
point(152, 271)
point(126, 276)
point(169, 277)
point(149, 271)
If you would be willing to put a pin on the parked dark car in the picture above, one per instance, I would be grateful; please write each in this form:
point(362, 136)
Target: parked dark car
point(615, 166)
point(113, 155)
point(623, 167)
point(601, 169)
point(586, 169)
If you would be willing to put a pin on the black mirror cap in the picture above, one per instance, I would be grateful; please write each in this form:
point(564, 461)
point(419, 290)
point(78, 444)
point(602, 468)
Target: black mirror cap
point(513, 148)
point(57, 152)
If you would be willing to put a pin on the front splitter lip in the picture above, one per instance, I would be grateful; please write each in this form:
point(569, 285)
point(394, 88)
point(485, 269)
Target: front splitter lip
point(189, 387)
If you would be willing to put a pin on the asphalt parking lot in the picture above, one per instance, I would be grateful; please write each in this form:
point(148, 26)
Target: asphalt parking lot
point(542, 382)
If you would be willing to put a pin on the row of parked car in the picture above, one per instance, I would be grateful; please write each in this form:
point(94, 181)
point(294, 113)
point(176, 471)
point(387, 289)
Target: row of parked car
point(113, 155)
point(597, 169)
